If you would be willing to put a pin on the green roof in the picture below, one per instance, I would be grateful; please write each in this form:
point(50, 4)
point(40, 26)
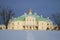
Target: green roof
point(42, 19)
point(38, 18)
point(18, 18)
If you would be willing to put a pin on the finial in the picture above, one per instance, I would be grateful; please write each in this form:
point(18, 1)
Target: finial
point(41, 16)
point(30, 11)
point(35, 13)
point(47, 17)
point(25, 13)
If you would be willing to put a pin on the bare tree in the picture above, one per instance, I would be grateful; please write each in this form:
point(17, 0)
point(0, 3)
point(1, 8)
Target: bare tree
point(56, 18)
point(6, 15)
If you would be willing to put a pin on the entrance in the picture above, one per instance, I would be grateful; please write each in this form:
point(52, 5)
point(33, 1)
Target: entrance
point(30, 27)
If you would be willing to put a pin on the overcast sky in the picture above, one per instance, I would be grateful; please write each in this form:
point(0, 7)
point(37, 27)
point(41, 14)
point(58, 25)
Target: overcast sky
point(41, 7)
point(44, 7)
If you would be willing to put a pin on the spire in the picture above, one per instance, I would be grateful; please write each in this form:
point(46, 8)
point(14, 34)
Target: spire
point(30, 11)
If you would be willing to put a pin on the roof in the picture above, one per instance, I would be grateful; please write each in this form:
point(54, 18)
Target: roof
point(2, 25)
point(38, 18)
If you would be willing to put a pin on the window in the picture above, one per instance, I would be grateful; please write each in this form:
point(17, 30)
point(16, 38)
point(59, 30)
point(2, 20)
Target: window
point(27, 27)
point(37, 27)
point(42, 23)
point(12, 23)
point(23, 27)
point(12, 27)
point(30, 27)
point(30, 19)
point(47, 29)
point(0, 27)
point(47, 23)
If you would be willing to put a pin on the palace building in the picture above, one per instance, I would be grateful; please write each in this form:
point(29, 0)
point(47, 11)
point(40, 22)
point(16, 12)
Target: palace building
point(30, 21)
point(2, 27)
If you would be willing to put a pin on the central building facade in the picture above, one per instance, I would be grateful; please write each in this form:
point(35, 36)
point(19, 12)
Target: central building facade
point(30, 22)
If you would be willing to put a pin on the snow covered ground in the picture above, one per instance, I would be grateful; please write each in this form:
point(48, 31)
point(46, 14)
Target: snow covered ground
point(29, 35)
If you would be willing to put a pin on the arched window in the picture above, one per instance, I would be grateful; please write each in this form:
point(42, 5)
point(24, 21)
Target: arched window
point(30, 27)
point(47, 23)
point(37, 27)
point(47, 29)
